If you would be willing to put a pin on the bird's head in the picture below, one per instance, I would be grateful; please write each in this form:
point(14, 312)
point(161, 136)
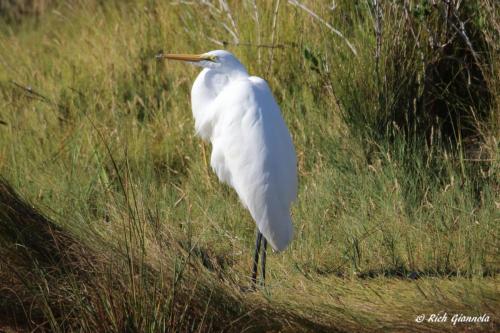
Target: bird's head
point(219, 60)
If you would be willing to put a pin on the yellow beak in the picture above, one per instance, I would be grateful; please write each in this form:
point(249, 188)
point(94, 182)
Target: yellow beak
point(187, 57)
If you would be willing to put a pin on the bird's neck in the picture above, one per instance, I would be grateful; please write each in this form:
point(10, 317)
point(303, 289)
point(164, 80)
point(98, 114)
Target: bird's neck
point(209, 84)
point(237, 74)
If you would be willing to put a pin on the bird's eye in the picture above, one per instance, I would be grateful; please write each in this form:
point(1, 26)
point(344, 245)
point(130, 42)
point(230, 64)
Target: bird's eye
point(214, 58)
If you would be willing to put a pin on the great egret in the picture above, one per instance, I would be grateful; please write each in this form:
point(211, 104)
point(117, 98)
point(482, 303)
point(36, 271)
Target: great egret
point(252, 150)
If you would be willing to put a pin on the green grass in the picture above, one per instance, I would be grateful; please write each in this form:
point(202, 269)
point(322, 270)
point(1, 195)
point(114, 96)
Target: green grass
point(398, 170)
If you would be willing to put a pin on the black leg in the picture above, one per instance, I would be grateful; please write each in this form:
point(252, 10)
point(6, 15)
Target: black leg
point(256, 257)
point(264, 252)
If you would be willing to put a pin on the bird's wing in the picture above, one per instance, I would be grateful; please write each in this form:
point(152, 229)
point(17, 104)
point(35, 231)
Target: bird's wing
point(253, 152)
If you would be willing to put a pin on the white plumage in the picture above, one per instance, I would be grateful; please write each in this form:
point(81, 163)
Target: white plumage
point(252, 150)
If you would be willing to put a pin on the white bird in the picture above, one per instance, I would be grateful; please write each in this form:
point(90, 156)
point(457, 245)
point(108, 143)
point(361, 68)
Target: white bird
point(252, 150)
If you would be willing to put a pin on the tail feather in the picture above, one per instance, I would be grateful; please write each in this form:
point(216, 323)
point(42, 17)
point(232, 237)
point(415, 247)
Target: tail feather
point(278, 235)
